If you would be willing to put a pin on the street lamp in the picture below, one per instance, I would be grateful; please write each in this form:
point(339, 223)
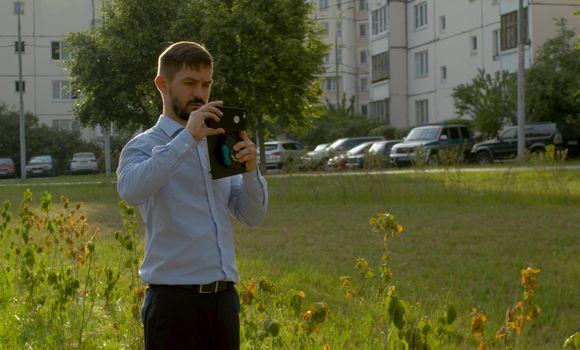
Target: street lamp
point(19, 10)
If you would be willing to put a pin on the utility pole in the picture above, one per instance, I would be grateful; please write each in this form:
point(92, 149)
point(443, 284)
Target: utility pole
point(19, 10)
point(521, 81)
point(336, 48)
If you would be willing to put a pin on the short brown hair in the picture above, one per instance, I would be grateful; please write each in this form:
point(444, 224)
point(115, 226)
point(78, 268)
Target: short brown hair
point(180, 54)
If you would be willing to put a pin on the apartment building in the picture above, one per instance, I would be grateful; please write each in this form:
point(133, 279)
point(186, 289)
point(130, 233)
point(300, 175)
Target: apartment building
point(422, 49)
point(346, 27)
point(46, 85)
point(539, 19)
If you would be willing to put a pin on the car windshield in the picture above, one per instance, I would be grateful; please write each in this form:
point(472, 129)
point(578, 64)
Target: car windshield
point(270, 147)
point(423, 134)
point(5, 161)
point(40, 159)
point(321, 147)
point(359, 149)
point(377, 147)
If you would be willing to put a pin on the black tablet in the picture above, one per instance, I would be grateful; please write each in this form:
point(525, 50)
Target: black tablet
point(221, 147)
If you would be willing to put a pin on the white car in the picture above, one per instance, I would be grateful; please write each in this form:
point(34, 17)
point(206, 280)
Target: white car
point(84, 162)
point(280, 152)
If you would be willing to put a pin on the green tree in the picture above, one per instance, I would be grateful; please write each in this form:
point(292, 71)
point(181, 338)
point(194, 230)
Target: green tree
point(340, 121)
point(553, 81)
point(489, 100)
point(268, 55)
point(113, 67)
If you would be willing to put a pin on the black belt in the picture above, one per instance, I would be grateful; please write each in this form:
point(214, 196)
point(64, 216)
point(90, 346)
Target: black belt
point(214, 287)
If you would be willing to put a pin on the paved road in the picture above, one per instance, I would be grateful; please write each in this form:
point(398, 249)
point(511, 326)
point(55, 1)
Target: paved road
point(276, 173)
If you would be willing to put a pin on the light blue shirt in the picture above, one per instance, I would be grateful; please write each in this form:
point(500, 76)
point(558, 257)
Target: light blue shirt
point(188, 238)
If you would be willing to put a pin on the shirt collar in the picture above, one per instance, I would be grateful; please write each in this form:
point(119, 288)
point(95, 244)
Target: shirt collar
point(169, 126)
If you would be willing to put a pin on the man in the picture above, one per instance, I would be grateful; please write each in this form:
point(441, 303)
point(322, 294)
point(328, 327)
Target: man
point(189, 263)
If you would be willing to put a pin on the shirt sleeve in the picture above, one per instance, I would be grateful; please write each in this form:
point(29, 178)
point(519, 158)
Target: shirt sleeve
point(145, 167)
point(249, 197)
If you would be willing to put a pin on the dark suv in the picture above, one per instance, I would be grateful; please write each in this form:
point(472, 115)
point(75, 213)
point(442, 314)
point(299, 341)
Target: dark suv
point(431, 140)
point(538, 136)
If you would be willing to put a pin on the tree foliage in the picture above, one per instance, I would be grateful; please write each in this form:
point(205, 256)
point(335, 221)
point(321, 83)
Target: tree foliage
point(40, 139)
point(340, 121)
point(267, 58)
point(489, 100)
point(553, 81)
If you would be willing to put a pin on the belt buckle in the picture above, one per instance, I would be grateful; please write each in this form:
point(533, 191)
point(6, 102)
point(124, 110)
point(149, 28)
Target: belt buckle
point(201, 291)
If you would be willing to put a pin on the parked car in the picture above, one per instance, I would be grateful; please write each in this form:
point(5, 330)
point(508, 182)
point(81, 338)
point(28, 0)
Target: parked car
point(84, 162)
point(377, 156)
point(279, 153)
point(316, 159)
point(340, 161)
point(7, 168)
point(44, 165)
point(538, 136)
point(431, 141)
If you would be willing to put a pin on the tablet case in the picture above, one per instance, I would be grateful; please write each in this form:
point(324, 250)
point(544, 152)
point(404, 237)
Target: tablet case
point(220, 147)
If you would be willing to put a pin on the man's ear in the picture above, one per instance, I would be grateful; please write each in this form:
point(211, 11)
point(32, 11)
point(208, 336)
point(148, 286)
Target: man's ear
point(161, 83)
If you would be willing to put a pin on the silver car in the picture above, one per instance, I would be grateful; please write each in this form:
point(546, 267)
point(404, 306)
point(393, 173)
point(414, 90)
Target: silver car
point(280, 152)
point(84, 162)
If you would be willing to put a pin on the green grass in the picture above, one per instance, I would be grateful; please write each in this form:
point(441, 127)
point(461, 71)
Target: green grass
point(467, 236)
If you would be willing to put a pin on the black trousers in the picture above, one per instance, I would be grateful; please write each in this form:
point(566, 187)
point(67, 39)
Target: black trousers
point(181, 319)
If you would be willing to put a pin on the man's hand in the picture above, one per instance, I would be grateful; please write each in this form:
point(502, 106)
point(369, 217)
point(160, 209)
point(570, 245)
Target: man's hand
point(246, 151)
point(196, 123)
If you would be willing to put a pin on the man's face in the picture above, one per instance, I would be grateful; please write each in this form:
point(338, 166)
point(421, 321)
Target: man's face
point(189, 89)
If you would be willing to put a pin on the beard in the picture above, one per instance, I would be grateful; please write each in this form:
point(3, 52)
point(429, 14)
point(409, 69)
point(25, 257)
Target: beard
point(181, 109)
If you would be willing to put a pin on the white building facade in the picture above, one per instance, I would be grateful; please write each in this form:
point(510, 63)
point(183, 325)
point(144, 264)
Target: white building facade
point(426, 48)
point(46, 85)
point(346, 28)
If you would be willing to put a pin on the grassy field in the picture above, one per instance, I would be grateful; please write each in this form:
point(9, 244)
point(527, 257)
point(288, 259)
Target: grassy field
point(467, 236)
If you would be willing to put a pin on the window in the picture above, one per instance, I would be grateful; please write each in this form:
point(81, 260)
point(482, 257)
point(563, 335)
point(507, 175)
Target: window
point(364, 56)
point(364, 83)
point(380, 67)
point(58, 50)
point(323, 4)
point(422, 111)
point(61, 90)
point(421, 63)
point(364, 110)
point(339, 5)
point(17, 86)
point(421, 15)
point(339, 29)
point(326, 59)
point(509, 30)
point(330, 84)
point(495, 43)
point(339, 55)
point(363, 5)
point(494, 2)
point(379, 20)
point(362, 30)
point(473, 44)
point(379, 110)
point(443, 73)
point(62, 124)
point(454, 134)
point(18, 7)
point(19, 47)
point(442, 23)
point(325, 28)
